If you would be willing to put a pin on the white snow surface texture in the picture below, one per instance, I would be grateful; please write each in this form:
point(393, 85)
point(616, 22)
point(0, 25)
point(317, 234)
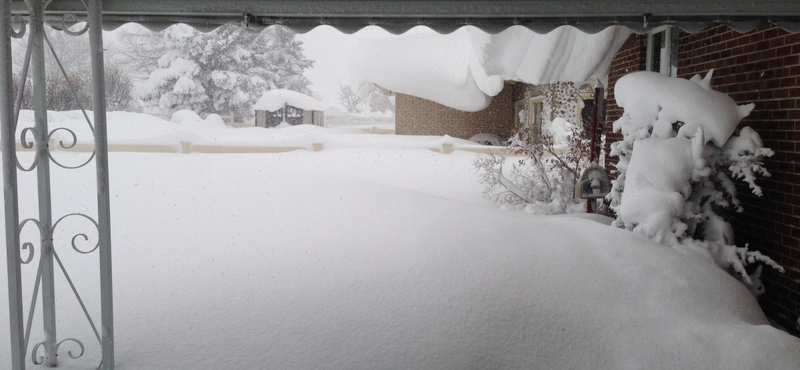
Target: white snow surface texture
point(273, 100)
point(465, 69)
point(361, 257)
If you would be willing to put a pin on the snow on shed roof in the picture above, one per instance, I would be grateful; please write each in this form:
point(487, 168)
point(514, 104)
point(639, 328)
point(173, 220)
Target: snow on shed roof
point(464, 69)
point(274, 100)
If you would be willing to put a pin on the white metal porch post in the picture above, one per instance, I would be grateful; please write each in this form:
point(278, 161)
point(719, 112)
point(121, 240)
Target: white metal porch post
point(103, 199)
point(11, 201)
point(19, 331)
point(41, 132)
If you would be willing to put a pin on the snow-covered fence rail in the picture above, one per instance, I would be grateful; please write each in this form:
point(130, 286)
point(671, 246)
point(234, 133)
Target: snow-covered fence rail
point(338, 120)
point(444, 145)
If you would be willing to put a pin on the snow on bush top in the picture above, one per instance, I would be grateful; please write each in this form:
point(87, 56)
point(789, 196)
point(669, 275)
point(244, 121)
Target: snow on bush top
point(692, 102)
point(189, 119)
point(464, 69)
point(274, 100)
point(185, 115)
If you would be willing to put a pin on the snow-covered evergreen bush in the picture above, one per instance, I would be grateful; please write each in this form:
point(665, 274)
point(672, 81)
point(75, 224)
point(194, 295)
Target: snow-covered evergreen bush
point(678, 140)
point(544, 182)
point(225, 70)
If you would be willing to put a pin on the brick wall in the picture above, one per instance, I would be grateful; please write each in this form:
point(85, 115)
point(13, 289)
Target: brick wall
point(416, 116)
point(629, 58)
point(762, 67)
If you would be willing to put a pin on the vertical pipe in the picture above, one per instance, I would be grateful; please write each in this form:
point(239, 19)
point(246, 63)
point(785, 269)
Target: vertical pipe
point(11, 200)
point(36, 8)
point(597, 128)
point(103, 199)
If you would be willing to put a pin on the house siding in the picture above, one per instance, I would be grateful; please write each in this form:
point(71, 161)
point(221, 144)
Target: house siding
point(416, 116)
point(761, 67)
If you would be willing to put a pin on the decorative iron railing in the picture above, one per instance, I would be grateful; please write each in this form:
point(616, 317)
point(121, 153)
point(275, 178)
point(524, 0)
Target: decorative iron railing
point(39, 138)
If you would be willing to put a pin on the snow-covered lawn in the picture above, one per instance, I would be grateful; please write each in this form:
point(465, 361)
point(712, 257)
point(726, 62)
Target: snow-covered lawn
point(363, 257)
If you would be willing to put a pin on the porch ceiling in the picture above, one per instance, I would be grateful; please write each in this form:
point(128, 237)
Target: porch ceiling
point(442, 15)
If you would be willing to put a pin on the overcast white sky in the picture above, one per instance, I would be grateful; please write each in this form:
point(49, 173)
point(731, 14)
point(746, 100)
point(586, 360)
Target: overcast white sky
point(331, 50)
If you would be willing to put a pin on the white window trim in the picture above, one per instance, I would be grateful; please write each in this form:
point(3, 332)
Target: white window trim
point(671, 34)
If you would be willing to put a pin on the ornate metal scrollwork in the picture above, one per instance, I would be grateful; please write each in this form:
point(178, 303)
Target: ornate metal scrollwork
point(18, 20)
point(72, 18)
point(28, 144)
point(40, 359)
point(28, 246)
point(80, 235)
point(67, 146)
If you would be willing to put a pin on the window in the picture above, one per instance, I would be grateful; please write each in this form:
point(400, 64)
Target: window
point(662, 51)
point(529, 114)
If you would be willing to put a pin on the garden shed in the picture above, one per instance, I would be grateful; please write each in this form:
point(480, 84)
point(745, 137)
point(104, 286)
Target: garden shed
point(770, 44)
point(294, 108)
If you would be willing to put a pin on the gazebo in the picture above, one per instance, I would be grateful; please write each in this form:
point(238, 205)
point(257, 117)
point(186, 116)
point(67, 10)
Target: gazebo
point(30, 16)
point(280, 105)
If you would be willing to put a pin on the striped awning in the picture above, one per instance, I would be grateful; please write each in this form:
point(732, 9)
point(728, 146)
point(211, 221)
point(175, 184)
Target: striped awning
point(444, 16)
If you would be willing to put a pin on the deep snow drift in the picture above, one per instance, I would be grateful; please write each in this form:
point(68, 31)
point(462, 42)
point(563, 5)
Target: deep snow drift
point(379, 258)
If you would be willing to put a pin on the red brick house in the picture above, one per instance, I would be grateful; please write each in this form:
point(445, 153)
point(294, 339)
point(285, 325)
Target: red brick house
point(418, 116)
point(762, 67)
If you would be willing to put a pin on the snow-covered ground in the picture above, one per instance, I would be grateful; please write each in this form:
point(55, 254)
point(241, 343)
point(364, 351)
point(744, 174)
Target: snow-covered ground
point(374, 257)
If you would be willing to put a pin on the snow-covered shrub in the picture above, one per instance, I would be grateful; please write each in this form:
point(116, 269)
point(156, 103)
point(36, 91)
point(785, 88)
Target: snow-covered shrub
point(678, 140)
point(544, 182)
point(75, 91)
point(225, 70)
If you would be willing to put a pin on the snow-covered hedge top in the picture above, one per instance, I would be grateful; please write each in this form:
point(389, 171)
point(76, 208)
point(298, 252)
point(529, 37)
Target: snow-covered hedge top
point(464, 69)
point(662, 101)
point(274, 100)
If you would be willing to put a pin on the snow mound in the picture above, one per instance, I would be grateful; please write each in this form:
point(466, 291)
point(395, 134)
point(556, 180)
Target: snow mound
point(274, 100)
point(214, 120)
point(185, 116)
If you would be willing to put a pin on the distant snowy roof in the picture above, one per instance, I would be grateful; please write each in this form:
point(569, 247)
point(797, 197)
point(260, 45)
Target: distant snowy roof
point(274, 100)
point(464, 69)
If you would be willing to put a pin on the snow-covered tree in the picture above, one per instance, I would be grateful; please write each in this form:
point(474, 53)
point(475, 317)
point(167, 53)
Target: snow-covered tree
point(349, 98)
point(678, 142)
point(378, 101)
point(139, 52)
point(225, 70)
